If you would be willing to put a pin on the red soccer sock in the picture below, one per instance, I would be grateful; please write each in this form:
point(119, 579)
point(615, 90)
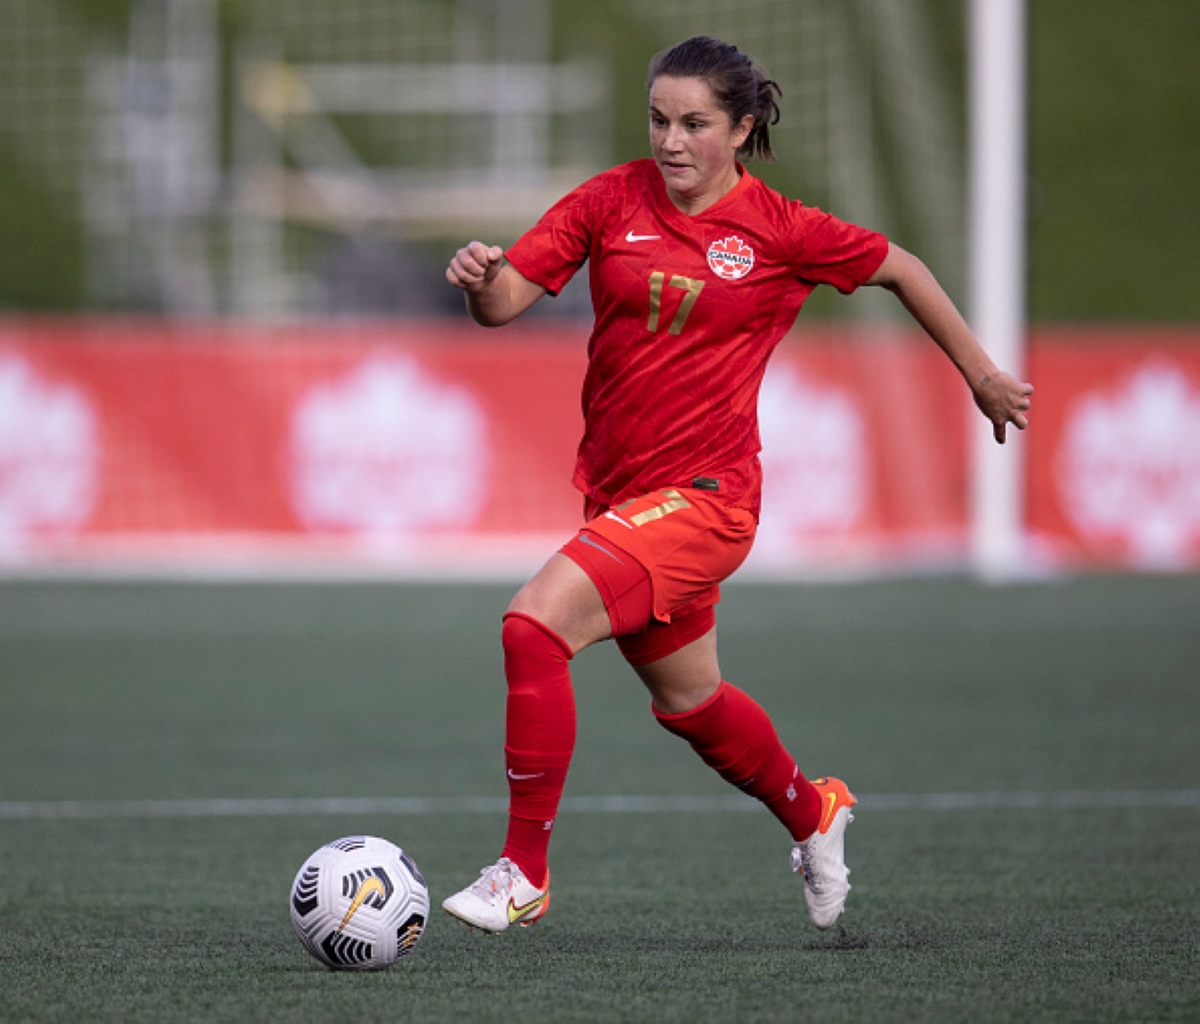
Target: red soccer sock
point(734, 736)
point(539, 738)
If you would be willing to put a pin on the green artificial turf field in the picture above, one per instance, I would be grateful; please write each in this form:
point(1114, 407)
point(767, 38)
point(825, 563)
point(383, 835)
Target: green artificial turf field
point(1025, 848)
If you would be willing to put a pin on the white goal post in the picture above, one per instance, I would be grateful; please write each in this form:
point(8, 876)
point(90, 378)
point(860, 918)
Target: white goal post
point(996, 63)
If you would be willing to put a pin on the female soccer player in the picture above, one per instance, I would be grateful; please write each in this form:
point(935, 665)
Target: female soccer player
point(697, 270)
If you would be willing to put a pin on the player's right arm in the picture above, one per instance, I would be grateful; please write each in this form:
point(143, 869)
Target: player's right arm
point(497, 293)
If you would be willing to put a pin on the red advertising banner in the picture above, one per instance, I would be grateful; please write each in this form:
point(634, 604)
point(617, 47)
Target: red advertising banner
point(393, 442)
point(1114, 451)
point(437, 448)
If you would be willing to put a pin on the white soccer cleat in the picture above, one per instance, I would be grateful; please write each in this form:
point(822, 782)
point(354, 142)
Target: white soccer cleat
point(821, 858)
point(502, 896)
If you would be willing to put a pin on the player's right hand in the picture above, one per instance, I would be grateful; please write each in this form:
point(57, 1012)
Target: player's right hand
point(475, 266)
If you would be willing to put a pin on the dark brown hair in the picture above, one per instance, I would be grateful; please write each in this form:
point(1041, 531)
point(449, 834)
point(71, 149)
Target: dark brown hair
point(739, 86)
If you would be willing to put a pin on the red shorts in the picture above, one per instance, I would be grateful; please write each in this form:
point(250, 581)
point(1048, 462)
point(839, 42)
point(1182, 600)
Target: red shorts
point(687, 540)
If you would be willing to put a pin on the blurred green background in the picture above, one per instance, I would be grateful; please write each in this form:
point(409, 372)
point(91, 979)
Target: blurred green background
point(1114, 151)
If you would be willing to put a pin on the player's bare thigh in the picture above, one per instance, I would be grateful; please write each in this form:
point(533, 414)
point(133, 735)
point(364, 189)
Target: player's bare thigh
point(685, 679)
point(563, 598)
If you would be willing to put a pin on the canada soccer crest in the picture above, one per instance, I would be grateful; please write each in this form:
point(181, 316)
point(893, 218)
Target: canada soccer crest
point(730, 258)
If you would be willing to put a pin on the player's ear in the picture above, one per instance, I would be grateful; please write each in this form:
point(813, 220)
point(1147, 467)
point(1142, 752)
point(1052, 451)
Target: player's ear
point(742, 130)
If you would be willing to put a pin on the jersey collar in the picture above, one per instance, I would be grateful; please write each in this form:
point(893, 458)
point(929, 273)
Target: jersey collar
point(745, 180)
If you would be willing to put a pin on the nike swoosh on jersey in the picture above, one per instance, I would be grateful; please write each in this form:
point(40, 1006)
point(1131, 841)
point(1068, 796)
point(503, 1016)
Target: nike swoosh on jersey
point(631, 237)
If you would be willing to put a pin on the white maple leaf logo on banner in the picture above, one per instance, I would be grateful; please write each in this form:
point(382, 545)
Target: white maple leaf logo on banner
point(1129, 466)
point(815, 457)
point(48, 452)
point(388, 449)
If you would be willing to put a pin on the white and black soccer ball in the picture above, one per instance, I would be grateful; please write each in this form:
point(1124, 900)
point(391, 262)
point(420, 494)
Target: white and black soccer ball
point(359, 904)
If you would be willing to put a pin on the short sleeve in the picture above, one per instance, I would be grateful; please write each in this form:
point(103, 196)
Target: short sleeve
point(556, 247)
point(837, 253)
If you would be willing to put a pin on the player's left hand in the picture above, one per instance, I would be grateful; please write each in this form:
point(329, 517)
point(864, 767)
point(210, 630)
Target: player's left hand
point(1003, 399)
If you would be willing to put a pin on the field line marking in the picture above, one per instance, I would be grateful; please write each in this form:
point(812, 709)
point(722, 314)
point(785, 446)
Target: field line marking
point(299, 807)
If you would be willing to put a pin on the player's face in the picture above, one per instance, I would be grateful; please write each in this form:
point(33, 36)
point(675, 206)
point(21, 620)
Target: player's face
point(693, 141)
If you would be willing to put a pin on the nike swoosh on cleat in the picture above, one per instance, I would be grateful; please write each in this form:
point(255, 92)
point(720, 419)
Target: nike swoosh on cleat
point(515, 913)
point(631, 237)
point(827, 817)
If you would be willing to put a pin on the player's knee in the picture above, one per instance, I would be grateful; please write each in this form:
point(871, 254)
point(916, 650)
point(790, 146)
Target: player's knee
point(527, 640)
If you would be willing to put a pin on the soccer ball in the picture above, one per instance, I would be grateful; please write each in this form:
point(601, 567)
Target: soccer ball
point(359, 904)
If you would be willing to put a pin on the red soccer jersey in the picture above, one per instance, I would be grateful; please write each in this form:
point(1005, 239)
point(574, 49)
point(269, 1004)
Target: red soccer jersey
point(688, 311)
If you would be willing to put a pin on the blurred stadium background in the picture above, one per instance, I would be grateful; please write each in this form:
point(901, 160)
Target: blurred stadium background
point(226, 344)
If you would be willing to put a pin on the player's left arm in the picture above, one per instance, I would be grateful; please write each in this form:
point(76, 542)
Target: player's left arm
point(999, 395)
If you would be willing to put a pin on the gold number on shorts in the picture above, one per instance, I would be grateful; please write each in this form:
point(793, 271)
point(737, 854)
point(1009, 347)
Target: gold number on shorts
point(687, 284)
point(675, 501)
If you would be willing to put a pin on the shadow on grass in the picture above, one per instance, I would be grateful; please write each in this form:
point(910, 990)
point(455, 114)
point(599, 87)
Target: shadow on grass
point(861, 940)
